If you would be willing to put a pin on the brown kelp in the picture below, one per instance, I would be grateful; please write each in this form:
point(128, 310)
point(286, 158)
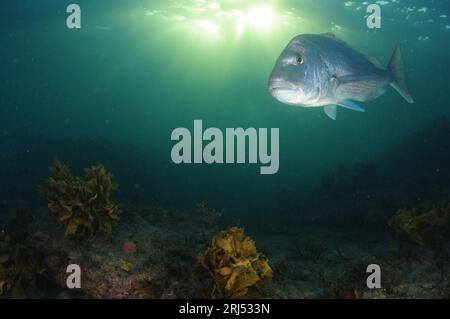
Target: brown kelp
point(429, 228)
point(237, 268)
point(83, 205)
point(19, 268)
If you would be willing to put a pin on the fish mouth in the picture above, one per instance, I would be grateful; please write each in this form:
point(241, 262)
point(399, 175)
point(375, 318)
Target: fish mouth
point(286, 92)
point(278, 92)
point(280, 85)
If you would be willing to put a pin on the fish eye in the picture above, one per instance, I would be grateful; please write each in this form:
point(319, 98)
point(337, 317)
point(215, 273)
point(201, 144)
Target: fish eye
point(300, 60)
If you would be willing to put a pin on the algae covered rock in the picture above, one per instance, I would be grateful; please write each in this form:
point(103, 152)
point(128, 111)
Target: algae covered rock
point(237, 268)
point(429, 228)
point(83, 205)
point(19, 269)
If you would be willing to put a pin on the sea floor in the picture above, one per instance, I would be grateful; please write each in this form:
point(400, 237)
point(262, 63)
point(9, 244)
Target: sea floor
point(307, 261)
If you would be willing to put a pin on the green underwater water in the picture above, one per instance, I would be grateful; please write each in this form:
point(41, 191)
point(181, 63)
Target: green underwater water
point(114, 90)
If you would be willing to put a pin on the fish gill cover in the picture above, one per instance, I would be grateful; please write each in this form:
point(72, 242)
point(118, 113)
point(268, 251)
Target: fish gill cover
point(102, 85)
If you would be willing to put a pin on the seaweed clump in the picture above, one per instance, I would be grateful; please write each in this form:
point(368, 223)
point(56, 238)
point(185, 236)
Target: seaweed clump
point(430, 228)
point(237, 268)
point(82, 205)
point(19, 269)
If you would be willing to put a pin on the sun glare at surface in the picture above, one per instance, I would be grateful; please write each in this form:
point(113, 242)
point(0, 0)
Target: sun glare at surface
point(229, 18)
point(257, 18)
point(261, 17)
point(207, 27)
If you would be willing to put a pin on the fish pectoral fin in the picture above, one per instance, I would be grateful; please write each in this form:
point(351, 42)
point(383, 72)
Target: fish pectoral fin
point(360, 86)
point(331, 111)
point(348, 104)
point(352, 78)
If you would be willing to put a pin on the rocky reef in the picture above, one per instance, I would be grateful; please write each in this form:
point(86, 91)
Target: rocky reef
point(393, 212)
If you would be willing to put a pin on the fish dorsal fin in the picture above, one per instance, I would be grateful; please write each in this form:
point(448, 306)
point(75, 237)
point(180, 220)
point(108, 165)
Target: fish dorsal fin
point(330, 35)
point(335, 38)
point(374, 61)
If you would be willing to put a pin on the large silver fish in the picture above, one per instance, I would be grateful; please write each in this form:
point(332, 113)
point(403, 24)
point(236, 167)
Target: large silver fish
point(323, 71)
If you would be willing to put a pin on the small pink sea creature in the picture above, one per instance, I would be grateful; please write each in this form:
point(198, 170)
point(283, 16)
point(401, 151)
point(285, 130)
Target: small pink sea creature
point(129, 248)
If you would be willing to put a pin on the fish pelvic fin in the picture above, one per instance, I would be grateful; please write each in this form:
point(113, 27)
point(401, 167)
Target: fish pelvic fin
point(348, 104)
point(397, 70)
point(331, 111)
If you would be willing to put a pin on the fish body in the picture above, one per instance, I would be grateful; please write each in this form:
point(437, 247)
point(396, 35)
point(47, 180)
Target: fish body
point(323, 71)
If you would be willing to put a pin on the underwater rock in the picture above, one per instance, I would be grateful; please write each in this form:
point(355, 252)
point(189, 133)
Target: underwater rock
point(116, 279)
point(82, 205)
point(122, 265)
point(310, 249)
point(19, 269)
point(237, 268)
point(351, 283)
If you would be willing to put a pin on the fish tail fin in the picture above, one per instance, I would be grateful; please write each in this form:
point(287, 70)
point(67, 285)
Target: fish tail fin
point(397, 70)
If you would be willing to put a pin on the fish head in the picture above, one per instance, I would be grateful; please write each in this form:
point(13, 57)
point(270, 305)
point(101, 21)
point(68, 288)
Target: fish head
point(293, 79)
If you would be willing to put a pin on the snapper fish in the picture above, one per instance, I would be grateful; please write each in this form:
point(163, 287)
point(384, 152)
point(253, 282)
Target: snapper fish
point(320, 70)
